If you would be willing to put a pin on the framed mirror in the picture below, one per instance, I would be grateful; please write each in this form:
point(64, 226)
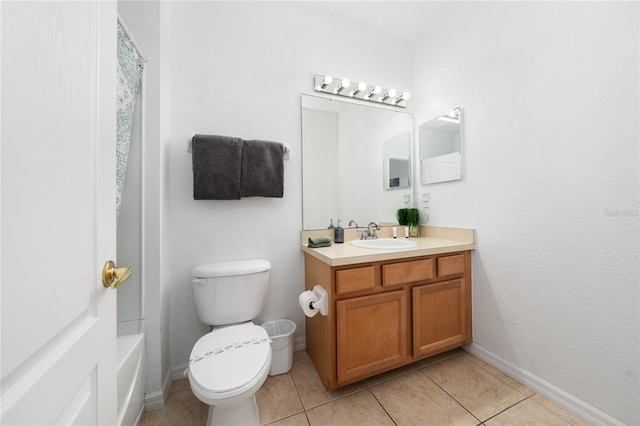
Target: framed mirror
point(440, 148)
point(356, 162)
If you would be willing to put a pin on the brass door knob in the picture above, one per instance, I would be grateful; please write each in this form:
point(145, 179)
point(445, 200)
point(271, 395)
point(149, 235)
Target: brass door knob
point(113, 276)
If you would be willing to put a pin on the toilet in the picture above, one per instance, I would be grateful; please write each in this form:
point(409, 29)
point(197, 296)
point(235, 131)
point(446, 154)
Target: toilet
point(228, 365)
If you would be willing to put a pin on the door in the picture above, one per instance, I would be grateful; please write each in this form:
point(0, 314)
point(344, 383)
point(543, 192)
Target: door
point(58, 331)
point(438, 317)
point(372, 334)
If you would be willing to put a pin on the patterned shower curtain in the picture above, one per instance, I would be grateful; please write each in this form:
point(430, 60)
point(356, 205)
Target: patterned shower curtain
point(130, 66)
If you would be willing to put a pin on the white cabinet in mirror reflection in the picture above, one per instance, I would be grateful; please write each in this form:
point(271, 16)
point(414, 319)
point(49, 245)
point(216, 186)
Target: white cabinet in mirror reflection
point(442, 168)
point(441, 148)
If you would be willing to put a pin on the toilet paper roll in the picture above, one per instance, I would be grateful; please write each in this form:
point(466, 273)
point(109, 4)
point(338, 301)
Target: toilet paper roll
point(305, 299)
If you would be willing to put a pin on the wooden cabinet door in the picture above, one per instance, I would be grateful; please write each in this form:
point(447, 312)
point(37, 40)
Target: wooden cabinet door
point(372, 334)
point(439, 313)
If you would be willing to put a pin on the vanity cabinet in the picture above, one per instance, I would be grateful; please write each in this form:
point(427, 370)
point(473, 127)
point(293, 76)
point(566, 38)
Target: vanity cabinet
point(386, 314)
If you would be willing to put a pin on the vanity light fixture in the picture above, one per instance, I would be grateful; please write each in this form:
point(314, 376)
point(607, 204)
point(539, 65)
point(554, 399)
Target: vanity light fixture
point(452, 116)
point(326, 80)
point(454, 113)
point(390, 94)
point(375, 91)
point(344, 84)
point(403, 97)
point(334, 86)
point(362, 86)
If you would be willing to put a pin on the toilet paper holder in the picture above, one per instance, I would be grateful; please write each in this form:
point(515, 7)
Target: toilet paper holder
point(322, 304)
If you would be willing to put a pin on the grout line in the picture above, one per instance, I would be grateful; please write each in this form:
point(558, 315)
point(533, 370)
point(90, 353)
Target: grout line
point(385, 410)
point(295, 385)
point(498, 377)
point(286, 417)
point(307, 417)
point(525, 397)
point(336, 399)
point(509, 407)
point(387, 380)
point(450, 396)
point(550, 411)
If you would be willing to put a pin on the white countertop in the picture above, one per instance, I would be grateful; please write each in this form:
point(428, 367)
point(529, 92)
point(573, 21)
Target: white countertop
point(436, 240)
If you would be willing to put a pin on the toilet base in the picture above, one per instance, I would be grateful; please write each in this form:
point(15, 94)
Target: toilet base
point(244, 413)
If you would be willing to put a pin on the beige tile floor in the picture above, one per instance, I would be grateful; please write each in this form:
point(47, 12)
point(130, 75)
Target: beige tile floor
point(454, 388)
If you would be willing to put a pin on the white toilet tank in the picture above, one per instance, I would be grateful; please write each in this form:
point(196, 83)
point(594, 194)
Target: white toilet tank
point(230, 292)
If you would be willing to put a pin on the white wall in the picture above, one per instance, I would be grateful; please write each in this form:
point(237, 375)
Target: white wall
point(238, 69)
point(550, 98)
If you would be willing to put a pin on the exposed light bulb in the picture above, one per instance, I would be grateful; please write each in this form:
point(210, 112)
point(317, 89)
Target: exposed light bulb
point(343, 85)
point(325, 82)
point(390, 94)
point(362, 86)
point(403, 97)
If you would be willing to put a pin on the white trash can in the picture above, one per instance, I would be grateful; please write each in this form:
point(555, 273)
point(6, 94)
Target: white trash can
point(281, 334)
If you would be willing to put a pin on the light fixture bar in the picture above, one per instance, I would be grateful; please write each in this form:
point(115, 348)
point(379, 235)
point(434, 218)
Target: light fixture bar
point(342, 87)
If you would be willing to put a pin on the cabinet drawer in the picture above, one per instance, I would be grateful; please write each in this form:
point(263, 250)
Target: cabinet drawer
point(350, 280)
point(407, 272)
point(450, 265)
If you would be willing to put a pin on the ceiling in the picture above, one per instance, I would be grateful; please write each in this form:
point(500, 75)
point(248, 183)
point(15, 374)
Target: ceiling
point(406, 20)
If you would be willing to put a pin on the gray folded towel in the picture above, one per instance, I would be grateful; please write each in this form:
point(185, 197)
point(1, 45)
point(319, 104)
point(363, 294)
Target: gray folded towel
point(262, 169)
point(315, 242)
point(216, 167)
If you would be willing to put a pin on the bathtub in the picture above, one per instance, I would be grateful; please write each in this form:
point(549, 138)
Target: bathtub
point(130, 379)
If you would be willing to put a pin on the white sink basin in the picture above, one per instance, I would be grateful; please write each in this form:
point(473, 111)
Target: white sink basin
point(384, 244)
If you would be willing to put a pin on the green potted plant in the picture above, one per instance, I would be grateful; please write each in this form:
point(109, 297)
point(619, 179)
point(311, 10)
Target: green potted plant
point(401, 215)
point(411, 217)
point(414, 217)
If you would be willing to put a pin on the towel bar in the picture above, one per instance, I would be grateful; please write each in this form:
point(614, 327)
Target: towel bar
point(287, 150)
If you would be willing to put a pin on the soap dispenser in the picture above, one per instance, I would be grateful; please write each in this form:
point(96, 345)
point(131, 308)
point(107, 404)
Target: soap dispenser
point(339, 233)
point(331, 225)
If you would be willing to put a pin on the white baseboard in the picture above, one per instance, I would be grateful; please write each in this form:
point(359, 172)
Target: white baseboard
point(156, 400)
point(299, 344)
point(139, 418)
point(177, 371)
point(544, 388)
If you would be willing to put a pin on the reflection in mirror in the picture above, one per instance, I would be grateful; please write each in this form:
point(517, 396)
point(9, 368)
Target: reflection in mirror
point(397, 168)
point(440, 148)
point(348, 149)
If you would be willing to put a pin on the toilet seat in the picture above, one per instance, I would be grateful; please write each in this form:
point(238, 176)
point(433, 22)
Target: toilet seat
point(230, 360)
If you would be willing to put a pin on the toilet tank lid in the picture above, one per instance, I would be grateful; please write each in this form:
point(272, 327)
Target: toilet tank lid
point(230, 268)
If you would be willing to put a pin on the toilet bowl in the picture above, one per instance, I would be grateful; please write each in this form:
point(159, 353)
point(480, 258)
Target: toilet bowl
point(228, 365)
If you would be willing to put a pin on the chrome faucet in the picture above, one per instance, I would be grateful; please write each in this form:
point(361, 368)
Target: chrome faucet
point(353, 223)
point(371, 232)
